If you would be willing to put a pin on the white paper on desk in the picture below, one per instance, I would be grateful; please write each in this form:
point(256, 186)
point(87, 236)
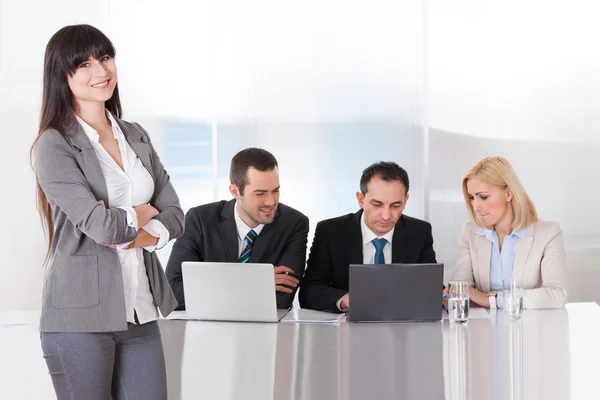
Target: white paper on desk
point(10, 319)
point(12, 325)
point(305, 315)
point(474, 313)
point(177, 315)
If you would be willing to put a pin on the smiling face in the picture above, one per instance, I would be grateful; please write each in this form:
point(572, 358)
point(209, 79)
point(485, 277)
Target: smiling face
point(258, 204)
point(94, 80)
point(492, 204)
point(382, 204)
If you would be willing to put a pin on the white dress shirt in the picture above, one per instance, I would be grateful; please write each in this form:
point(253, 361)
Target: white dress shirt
point(369, 248)
point(243, 230)
point(128, 188)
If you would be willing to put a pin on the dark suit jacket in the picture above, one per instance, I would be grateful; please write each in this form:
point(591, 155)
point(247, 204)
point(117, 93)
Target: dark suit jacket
point(338, 243)
point(211, 235)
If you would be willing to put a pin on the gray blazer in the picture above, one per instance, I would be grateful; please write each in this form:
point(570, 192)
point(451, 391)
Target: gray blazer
point(83, 285)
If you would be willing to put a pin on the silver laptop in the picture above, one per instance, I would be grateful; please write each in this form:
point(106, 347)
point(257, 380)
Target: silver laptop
point(230, 292)
point(396, 292)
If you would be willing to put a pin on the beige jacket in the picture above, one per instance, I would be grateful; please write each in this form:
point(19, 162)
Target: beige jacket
point(540, 262)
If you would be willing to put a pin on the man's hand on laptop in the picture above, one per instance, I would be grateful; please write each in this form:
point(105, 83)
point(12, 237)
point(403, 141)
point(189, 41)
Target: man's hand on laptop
point(345, 303)
point(285, 279)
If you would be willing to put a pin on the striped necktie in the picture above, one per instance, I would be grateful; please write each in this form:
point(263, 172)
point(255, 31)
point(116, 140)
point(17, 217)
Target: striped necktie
point(250, 237)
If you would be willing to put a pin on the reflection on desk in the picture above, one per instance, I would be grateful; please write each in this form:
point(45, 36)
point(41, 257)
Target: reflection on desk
point(544, 356)
point(220, 360)
point(403, 361)
point(509, 359)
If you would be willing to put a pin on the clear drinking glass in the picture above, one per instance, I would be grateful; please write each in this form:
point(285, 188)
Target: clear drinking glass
point(512, 292)
point(458, 301)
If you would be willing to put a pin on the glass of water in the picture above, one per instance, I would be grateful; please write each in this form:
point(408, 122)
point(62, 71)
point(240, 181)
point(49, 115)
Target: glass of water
point(512, 292)
point(458, 301)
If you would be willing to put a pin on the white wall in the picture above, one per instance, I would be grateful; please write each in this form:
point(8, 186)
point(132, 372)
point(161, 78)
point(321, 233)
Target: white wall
point(519, 79)
point(329, 87)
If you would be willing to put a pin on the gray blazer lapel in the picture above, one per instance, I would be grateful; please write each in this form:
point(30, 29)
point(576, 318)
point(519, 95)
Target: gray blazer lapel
point(484, 255)
point(161, 291)
point(228, 231)
point(88, 162)
point(522, 253)
point(139, 143)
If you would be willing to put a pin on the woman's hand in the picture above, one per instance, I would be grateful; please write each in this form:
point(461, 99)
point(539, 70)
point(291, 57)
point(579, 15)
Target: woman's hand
point(145, 213)
point(144, 239)
point(479, 298)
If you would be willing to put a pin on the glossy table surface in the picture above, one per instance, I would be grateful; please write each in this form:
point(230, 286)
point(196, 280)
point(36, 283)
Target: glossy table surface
point(547, 355)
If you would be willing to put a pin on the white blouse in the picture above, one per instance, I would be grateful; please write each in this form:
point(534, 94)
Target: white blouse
point(128, 188)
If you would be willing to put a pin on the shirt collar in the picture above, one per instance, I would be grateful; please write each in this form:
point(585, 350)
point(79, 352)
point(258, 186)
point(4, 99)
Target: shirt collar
point(92, 134)
point(491, 233)
point(241, 226)
point(521, 233)
point(368, 235)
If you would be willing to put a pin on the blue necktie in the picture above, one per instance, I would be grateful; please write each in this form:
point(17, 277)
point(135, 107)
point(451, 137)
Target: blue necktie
point(379, 245)
point(250, 237)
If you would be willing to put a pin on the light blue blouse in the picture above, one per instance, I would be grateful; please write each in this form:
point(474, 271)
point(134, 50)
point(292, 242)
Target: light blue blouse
point(501, 262)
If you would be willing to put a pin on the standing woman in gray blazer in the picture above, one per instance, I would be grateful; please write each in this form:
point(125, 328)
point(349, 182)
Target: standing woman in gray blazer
point(107, 204)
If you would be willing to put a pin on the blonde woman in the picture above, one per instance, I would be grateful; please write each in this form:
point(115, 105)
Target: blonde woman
point(504, 239)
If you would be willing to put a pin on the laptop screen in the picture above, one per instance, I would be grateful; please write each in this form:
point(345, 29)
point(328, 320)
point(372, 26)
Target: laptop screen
point(396, 292)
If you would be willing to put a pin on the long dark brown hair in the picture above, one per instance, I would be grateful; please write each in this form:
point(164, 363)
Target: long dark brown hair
point(67, 49)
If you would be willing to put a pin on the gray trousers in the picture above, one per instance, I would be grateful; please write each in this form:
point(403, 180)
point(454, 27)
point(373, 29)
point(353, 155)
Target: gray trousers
point(95, 366)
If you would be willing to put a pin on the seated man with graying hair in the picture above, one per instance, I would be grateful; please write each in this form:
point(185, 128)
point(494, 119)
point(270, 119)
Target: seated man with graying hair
point(377, 234)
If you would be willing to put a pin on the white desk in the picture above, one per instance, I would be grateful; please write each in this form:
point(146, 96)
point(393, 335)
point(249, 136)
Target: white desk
point(547, 355)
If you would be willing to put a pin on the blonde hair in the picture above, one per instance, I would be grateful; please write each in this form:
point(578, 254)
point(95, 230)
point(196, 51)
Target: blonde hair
point(497, 171)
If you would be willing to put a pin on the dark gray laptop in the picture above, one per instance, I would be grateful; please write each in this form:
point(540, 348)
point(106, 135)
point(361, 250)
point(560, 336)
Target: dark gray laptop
point(396, 292)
